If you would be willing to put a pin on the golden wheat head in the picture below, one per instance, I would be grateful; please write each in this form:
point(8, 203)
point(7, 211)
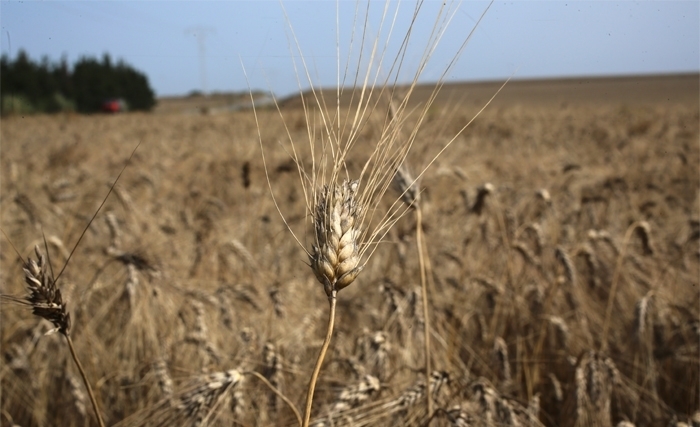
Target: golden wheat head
point(335, 255)
point(44, 296)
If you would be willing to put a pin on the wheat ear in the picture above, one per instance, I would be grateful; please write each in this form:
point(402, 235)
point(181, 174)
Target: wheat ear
point(334, 257)
point(46, 302)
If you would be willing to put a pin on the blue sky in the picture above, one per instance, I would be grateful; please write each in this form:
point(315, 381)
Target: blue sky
point(523, 39)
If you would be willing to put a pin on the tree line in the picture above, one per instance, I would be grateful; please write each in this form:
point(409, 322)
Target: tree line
point(47, 87)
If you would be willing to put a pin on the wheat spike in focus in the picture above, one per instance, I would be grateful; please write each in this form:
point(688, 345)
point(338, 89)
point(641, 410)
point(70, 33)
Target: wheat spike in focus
point(335, 258)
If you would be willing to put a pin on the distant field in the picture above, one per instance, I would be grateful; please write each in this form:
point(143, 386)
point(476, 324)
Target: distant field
point(631, 90)
point(519, 293)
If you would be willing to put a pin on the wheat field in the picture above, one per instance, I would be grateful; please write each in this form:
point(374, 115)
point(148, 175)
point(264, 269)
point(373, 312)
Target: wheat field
point(188, 271)
point(560, 236)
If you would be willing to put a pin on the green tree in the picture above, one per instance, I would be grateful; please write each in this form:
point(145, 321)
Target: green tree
point(46, 87)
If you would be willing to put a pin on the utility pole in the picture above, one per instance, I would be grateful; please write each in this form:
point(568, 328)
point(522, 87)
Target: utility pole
point(201, 32)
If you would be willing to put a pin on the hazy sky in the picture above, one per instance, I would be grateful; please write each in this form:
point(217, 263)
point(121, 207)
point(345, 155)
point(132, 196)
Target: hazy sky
point(521, 38)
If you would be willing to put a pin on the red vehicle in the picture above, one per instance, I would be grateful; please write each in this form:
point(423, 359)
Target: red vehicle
point(114, 105)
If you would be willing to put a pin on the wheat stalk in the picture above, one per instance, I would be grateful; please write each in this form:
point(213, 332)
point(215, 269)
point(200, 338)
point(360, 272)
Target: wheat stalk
point(345, 229)
point(409, 191)
point(334, 257)
point(46, 302)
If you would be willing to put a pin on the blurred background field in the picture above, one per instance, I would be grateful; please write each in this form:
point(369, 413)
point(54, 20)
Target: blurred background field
point(189, 270)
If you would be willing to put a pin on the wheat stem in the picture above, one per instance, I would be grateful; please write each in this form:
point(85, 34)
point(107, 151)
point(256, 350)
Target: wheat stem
point(324, 348)
point(424, 294)
point(277, 392)
point(85, 380)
